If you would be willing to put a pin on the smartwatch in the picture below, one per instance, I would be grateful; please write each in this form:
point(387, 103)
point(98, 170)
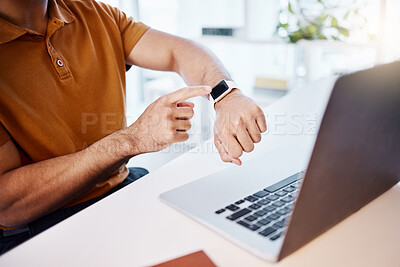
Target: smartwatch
point(221, 90)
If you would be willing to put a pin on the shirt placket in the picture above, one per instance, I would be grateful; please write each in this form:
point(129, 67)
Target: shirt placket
point(56, 58)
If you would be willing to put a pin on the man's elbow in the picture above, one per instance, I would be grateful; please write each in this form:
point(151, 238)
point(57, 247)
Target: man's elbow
point(11, 218)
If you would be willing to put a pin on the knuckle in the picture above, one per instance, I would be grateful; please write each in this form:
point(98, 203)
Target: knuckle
point(168, 110)
point(223, 136)
point(257, 110)
point(173, 127)
point(225, 158)
point(216, 142)
point(169, 126)
point(163, 99)
point(244, 115)
point(236, 122)
point(169, 113)
point(261, 117)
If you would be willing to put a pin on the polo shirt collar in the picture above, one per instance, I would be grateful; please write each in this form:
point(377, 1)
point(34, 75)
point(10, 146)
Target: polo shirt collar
point(9, 31)
point(57, 10)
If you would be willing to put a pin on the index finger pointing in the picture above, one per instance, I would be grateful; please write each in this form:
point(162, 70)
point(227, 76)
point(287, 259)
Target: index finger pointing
point(188, 92)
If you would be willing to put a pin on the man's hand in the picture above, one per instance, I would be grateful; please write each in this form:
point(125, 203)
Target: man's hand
point(240, 121)
point(165, 121)
point(239, 124)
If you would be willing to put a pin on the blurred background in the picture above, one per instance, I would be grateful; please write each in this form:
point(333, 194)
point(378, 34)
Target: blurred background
point(270, 48)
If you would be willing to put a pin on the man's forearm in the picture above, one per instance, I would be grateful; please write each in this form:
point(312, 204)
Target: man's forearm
point(161, 51)
point(31, 191)
point(197, 65)
point(239, 121)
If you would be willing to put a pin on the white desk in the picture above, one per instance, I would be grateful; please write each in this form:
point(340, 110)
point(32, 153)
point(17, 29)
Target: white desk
point(134, 228)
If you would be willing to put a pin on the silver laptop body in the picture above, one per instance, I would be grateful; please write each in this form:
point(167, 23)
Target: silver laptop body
point(355, 159)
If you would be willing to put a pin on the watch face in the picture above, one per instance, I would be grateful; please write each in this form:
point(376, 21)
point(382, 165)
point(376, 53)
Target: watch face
point(219, 89)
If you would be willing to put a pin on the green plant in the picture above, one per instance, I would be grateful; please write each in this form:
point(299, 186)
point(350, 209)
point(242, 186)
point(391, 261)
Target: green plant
point(319, 20)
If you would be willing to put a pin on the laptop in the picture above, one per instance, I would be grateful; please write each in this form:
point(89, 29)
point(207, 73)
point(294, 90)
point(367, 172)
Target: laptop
point(356, 158)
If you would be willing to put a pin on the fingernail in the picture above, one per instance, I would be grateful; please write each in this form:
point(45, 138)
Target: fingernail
point(207, 88)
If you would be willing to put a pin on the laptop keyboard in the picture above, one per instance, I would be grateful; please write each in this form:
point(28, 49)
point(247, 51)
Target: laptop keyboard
point(267, 210)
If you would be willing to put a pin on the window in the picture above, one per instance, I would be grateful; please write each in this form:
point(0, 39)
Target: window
point(252, 49)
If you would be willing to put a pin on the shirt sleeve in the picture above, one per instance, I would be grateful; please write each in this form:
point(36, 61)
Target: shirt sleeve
point(4, 136)
point(131, 30)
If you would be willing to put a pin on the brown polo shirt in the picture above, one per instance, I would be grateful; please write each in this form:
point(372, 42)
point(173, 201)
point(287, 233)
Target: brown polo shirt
point(61, 92)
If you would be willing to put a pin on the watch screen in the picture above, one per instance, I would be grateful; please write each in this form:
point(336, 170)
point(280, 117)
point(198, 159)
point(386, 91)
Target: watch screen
point(219, 89)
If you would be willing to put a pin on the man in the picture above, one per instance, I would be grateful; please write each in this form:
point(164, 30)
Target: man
point(63, 139)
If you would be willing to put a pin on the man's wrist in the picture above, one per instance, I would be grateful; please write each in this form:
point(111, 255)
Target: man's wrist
point(233, 93)
point(127, 141)
point(117, 146)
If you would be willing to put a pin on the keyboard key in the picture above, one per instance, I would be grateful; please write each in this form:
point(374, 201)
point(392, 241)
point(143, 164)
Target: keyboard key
point(288, 189)
point(289, 207)
point(283, 183)
point(232, 207)
point(238, 214)
point(255, 206)
point(282, 212)
point(251, 198)
point(260, 213)
point(273, 217)
point(220, 211)
point(245, 224)
point(267, 231)
point(286, 209)
point(251, 227)
point(269, 208)
point(295, 185)
point(263, 202)
point(254, 227)
point(275, 237)
point(287, 199)
point(280, 193)
point(239, 202)
point(278, 224)
point(261, 193)
point(264, 221)
point(278, 204)
point(250, 218)
point(272, 197)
